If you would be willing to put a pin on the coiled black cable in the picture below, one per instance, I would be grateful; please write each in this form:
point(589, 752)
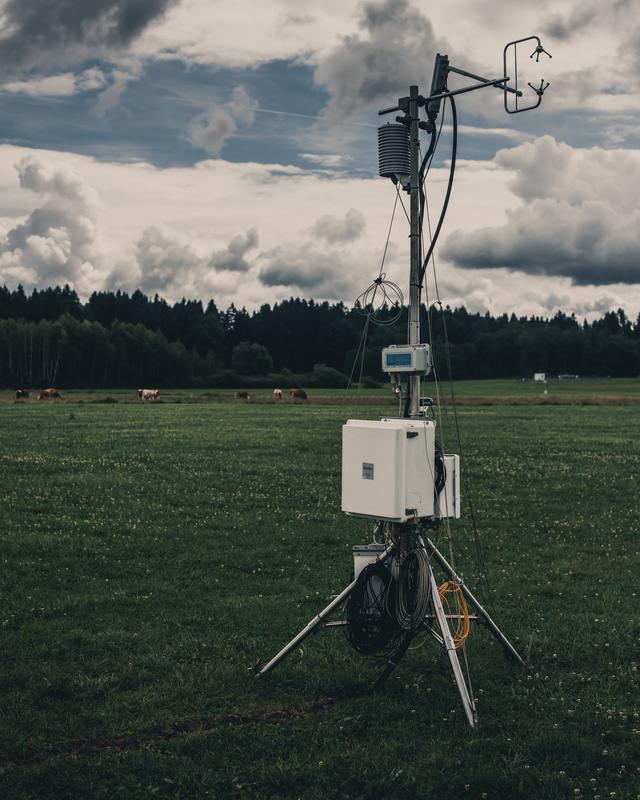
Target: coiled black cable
point(369, 627)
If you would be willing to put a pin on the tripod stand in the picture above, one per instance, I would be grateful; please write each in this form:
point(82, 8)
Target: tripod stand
point(439, 616)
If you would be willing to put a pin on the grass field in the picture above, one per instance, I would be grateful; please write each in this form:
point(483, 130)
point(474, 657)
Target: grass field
point(152, 553)
point(594, 391)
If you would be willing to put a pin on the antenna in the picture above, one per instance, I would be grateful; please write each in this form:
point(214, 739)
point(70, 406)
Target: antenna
point(394, 470)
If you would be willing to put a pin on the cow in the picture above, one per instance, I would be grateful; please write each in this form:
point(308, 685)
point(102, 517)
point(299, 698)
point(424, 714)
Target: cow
point(277, 394)
point(243, 395)
point(148, 394)
point(49, 394)
point(298, 394)
point(22, 394)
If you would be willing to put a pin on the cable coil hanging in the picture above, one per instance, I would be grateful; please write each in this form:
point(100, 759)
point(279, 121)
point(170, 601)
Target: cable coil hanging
point(461, 615)
point(409, 597)
point(379, 295)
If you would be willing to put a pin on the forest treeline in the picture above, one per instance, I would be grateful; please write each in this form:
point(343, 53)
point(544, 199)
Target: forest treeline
point(50, 337)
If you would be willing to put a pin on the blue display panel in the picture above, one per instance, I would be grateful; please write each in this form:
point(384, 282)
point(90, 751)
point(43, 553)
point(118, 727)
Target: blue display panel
point(398, 359)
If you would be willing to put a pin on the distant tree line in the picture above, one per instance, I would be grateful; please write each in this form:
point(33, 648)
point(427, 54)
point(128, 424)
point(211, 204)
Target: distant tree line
point(119, 340)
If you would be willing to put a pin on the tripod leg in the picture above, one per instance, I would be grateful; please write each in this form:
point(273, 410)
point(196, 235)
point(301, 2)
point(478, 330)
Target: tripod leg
point(508, 648)
point(394, 659)
point(315, 622)
point(467, 701)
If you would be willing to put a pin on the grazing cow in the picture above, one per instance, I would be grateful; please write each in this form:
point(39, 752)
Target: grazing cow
point(277, 394)
point(49, 394)
point(148, 394)
point(298, 394)
point(243, 395)
point(22, 394)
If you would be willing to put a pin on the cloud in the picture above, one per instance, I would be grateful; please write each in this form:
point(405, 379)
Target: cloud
point(375, 66)
point(302, 266)
point(564, 27)
point(195, 211)
point(242, 106)
point(58, 241)
point(582, 16)
point(162, 263)
point(61, 85)
point(579, 216)
point(41, 32)
point(120, 79)
point(210, 131)
point(166, 262)
point(334, 230)
point(233, 257)
point(329, 160)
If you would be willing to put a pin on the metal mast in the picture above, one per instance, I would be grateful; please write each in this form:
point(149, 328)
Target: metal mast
point(416, 249)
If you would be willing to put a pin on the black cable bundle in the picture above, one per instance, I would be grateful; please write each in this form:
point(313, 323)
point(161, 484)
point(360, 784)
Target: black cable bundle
point(409, 596)
point(369, 627)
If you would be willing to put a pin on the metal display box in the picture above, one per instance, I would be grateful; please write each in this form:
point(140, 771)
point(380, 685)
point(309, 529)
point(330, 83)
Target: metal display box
point(388, 468)
point(408, 358)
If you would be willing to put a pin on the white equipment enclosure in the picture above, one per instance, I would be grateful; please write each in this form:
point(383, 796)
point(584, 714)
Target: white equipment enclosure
point(388, 468)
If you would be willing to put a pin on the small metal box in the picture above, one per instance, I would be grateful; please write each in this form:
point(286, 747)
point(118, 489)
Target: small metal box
point(365, 554)
point(448, 502)
point(388, 468)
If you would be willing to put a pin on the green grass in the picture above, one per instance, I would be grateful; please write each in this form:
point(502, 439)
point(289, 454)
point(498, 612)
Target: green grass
point(512, 391)
point(151, 553)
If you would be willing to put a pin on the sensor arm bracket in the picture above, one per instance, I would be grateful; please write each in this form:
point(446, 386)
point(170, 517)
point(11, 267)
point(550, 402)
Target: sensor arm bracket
point(423, 101)
point(484, 80)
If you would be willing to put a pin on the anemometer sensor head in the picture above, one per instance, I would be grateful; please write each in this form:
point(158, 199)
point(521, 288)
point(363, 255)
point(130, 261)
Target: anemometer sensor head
point(510, 61)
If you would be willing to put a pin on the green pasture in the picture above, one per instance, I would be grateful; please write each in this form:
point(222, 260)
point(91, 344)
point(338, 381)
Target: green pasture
point(152, 553)
point(512, 391)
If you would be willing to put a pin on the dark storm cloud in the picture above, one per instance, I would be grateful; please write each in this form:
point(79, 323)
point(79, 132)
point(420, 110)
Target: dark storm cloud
point(46, 31)
point(397, 43)
point(232, 258)
point(579, 216)
point(565, 27)
point(302, 266)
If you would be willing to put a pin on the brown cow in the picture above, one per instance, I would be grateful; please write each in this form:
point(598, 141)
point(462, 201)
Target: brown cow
point(22, 394)
point(298, 394)
point(243, 395)
point(49, 394)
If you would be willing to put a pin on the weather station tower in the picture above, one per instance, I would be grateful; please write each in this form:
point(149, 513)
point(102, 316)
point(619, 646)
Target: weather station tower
point(395, 470)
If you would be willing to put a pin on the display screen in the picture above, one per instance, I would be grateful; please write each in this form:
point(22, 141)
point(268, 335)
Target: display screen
point(399, 359)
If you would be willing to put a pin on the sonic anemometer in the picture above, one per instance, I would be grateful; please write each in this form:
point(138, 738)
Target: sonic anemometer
point(395, 470)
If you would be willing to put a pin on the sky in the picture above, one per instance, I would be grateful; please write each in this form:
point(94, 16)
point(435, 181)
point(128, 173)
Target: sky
point(197, 148)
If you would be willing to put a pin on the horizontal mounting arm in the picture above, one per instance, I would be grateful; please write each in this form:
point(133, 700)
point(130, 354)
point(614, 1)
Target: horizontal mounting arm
point(422, 101)
point(482, 80)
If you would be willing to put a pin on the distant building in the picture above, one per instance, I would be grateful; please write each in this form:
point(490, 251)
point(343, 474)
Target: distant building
point(540, 376)
point(566, 376)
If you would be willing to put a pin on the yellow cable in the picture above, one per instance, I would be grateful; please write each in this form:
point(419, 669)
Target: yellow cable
point(463, 623)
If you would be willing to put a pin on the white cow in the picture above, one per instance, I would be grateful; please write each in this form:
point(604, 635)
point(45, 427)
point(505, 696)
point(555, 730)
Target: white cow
point(148, 394)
